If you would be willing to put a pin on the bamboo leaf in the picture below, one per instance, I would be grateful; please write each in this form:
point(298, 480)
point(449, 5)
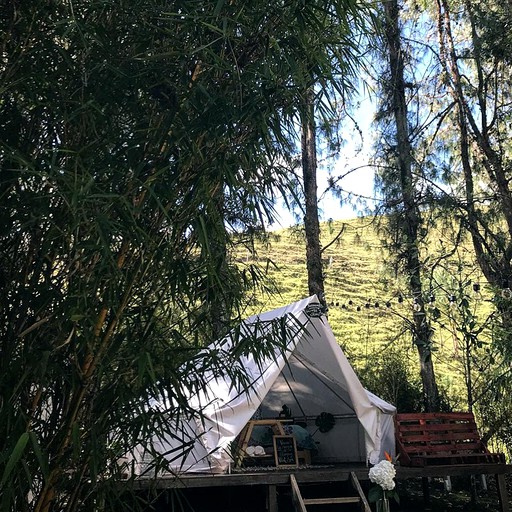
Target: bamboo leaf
point(43, 461)
point(15, 456)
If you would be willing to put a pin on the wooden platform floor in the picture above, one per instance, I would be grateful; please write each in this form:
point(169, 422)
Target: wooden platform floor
point(266, 487)
point(311, 474)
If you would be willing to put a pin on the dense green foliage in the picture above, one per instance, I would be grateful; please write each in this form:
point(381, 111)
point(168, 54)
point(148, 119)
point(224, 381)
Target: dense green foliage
point(142, 147)
point(135, 139)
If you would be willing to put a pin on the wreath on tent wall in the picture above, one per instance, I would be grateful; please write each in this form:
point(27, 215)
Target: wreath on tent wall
point(325, 421)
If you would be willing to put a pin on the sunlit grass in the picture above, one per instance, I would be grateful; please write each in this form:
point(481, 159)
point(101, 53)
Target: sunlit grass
point(368, 301)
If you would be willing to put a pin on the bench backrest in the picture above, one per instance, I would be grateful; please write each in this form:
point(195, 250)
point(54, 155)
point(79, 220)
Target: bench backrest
point(437, 434)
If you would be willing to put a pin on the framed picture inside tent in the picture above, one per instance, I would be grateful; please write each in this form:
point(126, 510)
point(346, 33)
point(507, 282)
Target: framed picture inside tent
point(285, 451)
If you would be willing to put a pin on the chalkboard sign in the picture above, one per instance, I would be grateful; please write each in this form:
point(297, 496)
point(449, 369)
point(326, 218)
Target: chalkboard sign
point(285, 451)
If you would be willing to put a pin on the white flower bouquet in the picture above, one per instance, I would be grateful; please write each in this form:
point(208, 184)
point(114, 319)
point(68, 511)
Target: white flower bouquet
point(383, 476)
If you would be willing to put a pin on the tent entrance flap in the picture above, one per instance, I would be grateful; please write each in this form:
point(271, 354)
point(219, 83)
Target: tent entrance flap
point(310, 396)
point(305, 392)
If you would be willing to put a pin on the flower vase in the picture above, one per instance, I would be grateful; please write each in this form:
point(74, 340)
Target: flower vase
point(382, 505)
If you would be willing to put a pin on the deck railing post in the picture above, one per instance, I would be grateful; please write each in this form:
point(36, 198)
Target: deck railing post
point(271, 498)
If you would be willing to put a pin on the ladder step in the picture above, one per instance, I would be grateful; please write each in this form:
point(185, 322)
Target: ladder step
point(328, 501)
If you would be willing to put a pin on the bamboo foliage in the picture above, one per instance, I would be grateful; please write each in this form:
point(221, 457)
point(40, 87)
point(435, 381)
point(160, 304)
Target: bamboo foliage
point(122, 124)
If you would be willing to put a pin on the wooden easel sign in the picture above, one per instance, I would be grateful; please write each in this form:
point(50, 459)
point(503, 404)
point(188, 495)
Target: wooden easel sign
point(285, 452)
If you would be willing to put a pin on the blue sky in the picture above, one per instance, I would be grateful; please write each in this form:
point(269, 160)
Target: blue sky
point(353, 164)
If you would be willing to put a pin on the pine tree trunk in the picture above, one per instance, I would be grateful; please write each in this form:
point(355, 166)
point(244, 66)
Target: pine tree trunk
point(311, 222)
point(422, 331)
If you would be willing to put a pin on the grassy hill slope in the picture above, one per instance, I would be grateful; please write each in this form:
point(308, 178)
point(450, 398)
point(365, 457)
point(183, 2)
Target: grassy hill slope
point(368, 303)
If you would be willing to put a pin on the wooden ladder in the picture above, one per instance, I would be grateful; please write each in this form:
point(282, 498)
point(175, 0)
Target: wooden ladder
point(300, 503)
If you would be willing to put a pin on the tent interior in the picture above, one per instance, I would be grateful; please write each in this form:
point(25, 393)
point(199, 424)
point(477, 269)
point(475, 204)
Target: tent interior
point(317, 403)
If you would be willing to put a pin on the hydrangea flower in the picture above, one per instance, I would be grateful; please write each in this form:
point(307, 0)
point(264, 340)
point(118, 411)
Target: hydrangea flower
point(383, 474)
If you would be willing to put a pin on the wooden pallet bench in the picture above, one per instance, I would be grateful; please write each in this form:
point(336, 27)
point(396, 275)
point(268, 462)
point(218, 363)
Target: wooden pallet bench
point(425, 439)
point(447, 444)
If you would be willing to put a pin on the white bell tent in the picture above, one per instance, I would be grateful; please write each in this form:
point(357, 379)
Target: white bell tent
point(312, 376)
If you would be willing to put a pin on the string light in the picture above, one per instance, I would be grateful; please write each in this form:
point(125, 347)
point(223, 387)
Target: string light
point(505, 293)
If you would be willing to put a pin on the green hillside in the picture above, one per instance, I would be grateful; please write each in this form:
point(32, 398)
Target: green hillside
point(368, 303)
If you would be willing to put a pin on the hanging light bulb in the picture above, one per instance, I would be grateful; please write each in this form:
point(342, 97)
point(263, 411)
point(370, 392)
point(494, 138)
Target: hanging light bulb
point(506, 293)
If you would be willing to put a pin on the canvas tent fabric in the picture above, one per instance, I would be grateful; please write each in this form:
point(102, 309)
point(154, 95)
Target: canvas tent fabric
point(312, 376)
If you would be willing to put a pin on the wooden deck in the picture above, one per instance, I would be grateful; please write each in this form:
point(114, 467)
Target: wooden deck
point(337, 473)
point(271, 480)
point(311, 474)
